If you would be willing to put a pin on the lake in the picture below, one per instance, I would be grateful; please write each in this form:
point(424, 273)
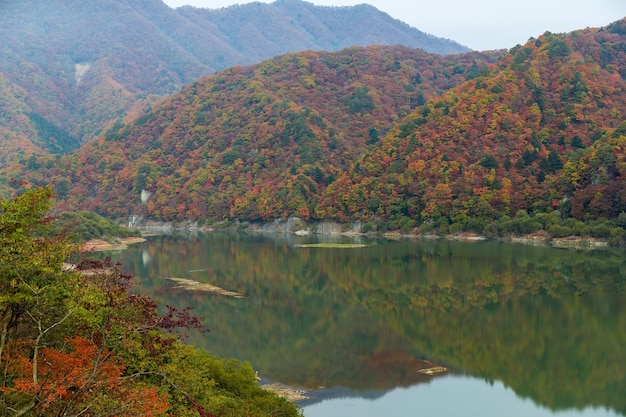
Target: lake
point(407, 327)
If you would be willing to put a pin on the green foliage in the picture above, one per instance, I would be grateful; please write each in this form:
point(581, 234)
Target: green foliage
point(521, 57)
point(82, 226)
point(360, 101)
point(223, 387)
point(374, 136)
point(620, 130)
point(487, 161)
point(557, 47)
point(143, 178)
point(34, 289)
point(521, 224)
point(29, 260)
point(557, 227)
point(497, 89)
point(54, 138)
point(75, 341)
point(477, 70)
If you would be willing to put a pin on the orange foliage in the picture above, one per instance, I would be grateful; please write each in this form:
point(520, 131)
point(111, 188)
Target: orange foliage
point(75, 376)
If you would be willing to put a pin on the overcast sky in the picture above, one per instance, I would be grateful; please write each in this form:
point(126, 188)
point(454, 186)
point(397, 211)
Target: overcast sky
point(479, 24)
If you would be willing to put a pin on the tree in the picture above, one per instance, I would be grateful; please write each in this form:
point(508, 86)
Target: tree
point(31, 265)
point(360, 101)
point(75, 342)
point(33, 284)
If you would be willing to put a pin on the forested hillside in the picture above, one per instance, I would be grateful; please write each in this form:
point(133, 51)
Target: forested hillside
point(70, 69)
point(381, 134)
point(260, 142)
point(544, 132)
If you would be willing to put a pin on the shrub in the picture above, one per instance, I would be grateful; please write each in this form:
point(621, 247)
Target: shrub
point(85, 225)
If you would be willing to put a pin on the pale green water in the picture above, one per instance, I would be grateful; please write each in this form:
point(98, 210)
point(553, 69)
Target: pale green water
point(533, 331)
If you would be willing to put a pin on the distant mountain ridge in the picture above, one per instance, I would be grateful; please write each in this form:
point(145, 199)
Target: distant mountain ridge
point(69, 69)
point(260, 30)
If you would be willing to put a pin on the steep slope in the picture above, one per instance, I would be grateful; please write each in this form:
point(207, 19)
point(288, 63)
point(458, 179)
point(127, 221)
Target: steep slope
point(259, 142)
point(83, 66)
point(15, 128)
point(545, 132)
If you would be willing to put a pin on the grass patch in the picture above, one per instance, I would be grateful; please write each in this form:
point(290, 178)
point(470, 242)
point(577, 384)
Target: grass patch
point(331, 245)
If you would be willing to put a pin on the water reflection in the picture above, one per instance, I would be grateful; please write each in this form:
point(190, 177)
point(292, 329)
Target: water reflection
point(448, 396)
point(549, 323)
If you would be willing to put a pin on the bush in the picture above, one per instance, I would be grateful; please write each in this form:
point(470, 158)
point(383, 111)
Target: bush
point(602, 230)
point(557, 230)
point(85, 225)
point(369, 227)
point(226, 387)
point(618, 236)
point(520, 225)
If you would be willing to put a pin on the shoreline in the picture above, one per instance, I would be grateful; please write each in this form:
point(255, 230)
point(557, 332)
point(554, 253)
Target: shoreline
point(99, 245)
point(298, 227)
point(289, 393)
point(336, 229)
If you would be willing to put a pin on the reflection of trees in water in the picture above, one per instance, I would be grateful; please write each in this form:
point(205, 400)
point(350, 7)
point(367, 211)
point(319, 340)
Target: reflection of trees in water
point(560, 351)
point(548, 322)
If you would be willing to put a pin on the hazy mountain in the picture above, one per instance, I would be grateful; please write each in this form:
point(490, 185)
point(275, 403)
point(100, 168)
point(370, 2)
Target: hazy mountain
point(69, 69)
point(259, 30)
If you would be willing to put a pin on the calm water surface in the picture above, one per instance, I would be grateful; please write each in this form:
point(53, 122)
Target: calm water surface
point(521, 330)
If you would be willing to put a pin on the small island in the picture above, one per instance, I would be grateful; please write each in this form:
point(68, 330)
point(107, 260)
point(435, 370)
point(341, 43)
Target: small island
point(191, 285)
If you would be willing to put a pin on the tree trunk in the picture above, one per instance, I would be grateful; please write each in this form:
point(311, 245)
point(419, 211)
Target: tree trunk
point(5, 331)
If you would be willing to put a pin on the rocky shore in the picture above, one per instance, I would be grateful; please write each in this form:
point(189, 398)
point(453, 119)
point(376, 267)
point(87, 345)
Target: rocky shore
point(98, 245)
point(292, 394)
point(300, 227)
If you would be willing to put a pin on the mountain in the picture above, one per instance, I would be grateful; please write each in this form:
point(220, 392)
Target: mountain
point(382, 134)
point(260, 30)
point(70, 69)
point(281, 131)
point(545, 131)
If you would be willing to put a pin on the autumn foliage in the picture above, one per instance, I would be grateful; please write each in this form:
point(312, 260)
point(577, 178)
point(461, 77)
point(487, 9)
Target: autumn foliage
point(387, 135)
point(255, 143)
point(71, 376)
point(75, 341)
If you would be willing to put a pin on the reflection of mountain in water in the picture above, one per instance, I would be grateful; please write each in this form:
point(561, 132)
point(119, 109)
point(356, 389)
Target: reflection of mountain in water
point(450, 396)
point(419, 372)
point(316, 396)
point(322, 394)
point(549, 323)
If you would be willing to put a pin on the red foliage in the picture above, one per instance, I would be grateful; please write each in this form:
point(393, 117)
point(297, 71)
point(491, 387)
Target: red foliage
point(73, 378)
